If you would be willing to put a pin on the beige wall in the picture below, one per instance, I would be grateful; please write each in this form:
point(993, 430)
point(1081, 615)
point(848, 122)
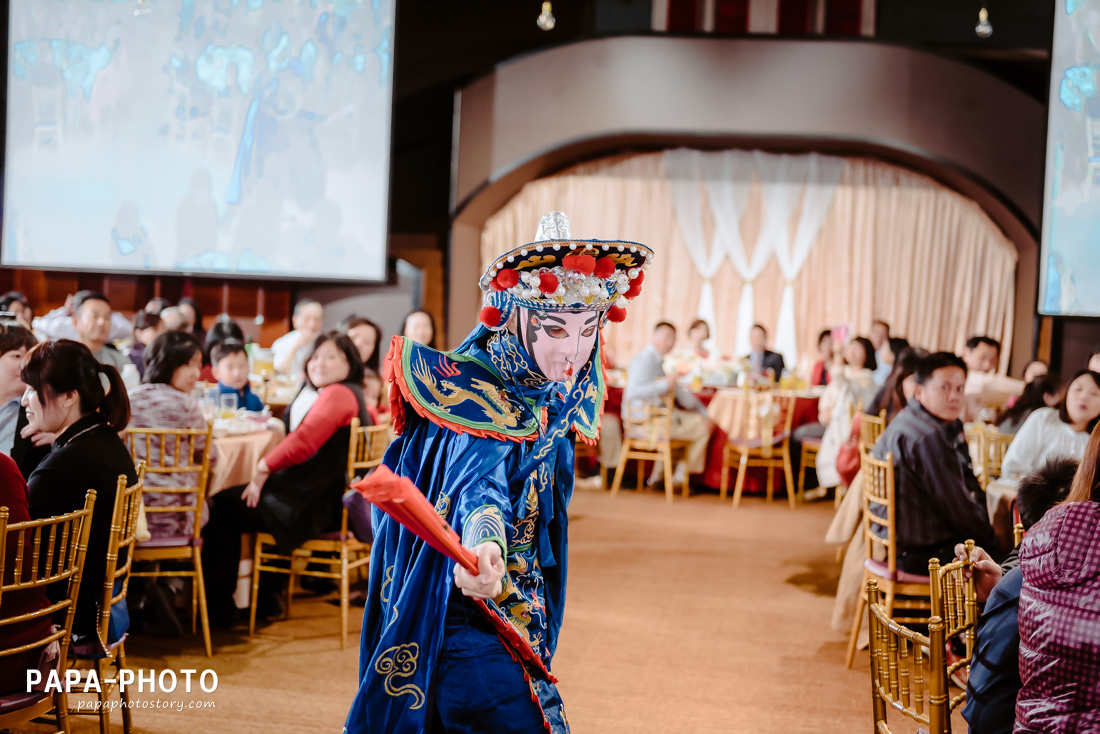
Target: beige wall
point(541, 112)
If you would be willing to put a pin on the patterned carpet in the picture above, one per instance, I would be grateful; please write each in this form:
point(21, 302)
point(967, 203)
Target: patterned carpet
point(687, 618)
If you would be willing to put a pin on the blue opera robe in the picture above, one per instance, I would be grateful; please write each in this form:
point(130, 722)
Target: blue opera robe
point(476, 483)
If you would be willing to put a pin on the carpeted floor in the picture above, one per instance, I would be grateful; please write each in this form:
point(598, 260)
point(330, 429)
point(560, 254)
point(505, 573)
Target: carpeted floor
point(683, 618)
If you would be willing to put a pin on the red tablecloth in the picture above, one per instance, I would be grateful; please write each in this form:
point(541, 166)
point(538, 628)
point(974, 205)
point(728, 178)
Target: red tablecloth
point(805, 411)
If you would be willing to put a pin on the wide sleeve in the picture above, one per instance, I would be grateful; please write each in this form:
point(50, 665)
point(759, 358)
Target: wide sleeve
point(484, 511)
point(335, 407)
point(1026, 449)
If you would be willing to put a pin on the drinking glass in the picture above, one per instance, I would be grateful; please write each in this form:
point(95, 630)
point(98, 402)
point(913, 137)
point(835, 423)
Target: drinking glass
point(227, 404)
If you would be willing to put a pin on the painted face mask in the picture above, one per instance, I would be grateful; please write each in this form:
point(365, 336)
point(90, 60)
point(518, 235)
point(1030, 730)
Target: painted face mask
point(560, 343)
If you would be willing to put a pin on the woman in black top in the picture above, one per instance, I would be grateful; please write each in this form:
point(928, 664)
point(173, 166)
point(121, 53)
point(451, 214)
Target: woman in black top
point(84, 402)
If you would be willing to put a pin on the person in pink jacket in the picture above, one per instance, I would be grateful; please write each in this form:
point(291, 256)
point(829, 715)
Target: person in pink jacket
point(1060, 611)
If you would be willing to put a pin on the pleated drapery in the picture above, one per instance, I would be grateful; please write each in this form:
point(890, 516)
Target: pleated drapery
point(882, 243)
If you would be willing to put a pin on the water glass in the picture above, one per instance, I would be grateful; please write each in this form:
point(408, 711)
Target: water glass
point(227, 404)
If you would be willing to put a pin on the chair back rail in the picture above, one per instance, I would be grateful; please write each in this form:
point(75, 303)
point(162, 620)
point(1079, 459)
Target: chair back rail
point(878, 490)
point(48, 551)
point(955, 601)
point(120, 548)
point(870, 428)
point(650, 425)
point(908, 671)
point(170, 452)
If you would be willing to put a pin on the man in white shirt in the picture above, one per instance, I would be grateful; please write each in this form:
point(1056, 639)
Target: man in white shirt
point(880, 340)
point(92, 321)
point(291, 351)
point(59, 323)
point(646, 382)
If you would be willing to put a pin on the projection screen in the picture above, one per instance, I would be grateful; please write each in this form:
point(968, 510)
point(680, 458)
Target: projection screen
point(224, 137)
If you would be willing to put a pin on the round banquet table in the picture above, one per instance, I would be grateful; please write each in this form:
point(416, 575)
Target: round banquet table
point(238, 455)
point(721, 412)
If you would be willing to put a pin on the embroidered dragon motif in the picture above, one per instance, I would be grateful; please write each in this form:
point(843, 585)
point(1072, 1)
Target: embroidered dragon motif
point(447, 395)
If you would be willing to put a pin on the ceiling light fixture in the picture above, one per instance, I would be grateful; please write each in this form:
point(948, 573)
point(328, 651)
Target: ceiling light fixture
point(546, 20)
point(984, 29)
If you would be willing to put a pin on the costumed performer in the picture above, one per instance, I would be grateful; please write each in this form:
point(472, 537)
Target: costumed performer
point(487, 434)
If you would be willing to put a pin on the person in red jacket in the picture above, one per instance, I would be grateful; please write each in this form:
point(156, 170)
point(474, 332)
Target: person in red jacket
point(297, 489)
point(13, 673)
point(1059, 613)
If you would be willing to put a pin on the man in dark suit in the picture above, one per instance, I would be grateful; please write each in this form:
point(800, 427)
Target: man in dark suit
point(760, 358)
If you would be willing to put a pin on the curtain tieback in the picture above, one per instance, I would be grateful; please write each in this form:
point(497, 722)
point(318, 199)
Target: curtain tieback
point(790, 283)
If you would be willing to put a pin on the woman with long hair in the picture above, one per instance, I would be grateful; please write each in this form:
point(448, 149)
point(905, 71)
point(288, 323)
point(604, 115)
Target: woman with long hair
point(1042, 392)
point(367, 338)
point(84, 403)
point(147, 327)
point(1059, 617)
point(1062, 430)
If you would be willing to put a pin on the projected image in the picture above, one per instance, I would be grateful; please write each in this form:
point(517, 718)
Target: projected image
point(218, 136)
point(1071, 222)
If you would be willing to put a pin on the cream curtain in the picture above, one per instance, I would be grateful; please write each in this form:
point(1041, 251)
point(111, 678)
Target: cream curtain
point(892, 244)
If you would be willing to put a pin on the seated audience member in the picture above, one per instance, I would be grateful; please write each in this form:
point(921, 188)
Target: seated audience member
point(92, 320)
point(15, 341)
point(760, 358)
point(297, 490)
point(851, 385)
point(230, 368)
point(895, 345)
point(61, 322)
point(939, 501)
point(147, 327)
point(13, 673)
point(900, 386)
point(698, 333)
point(647, 383)
point(291, 350)
point(367, 338)
point(1041, 392)
point(17, 305)
point(1035, 369)
point(994, 679)
point(420, 327)
point(84, 403)
point(819, 374)
point(1094, 361)
point(1059, 615)
point(164, 400)
point(1059, 431)
point(156, 305)
point(981, 355)
point(192, 317)
point(173, 319)
point(880, 340)
point(224, 328)
point(373, 397)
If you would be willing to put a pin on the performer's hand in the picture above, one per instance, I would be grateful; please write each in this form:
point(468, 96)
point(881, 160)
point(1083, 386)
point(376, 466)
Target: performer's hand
point(489, 582)
point(986, 571)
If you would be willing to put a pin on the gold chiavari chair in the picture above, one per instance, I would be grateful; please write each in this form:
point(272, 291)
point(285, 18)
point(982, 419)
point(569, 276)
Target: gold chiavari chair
point(340, 551)
point(870, 428)
point(1017, 534)
point(955, 601)
point(646, 437)
point(878, 490)
point(759, 443)
point(993, 446)
point(908, 673)
point(99, 656)
point(50, 551)
point(173, 453)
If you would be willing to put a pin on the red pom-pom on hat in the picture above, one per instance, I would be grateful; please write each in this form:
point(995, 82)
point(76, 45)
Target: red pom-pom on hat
point(640, 278)
point(490, 316)
point(579, 263)
point(505, 279)
point(616, 314)
point(548, 283)
point(605, 267)
point(635, 288)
